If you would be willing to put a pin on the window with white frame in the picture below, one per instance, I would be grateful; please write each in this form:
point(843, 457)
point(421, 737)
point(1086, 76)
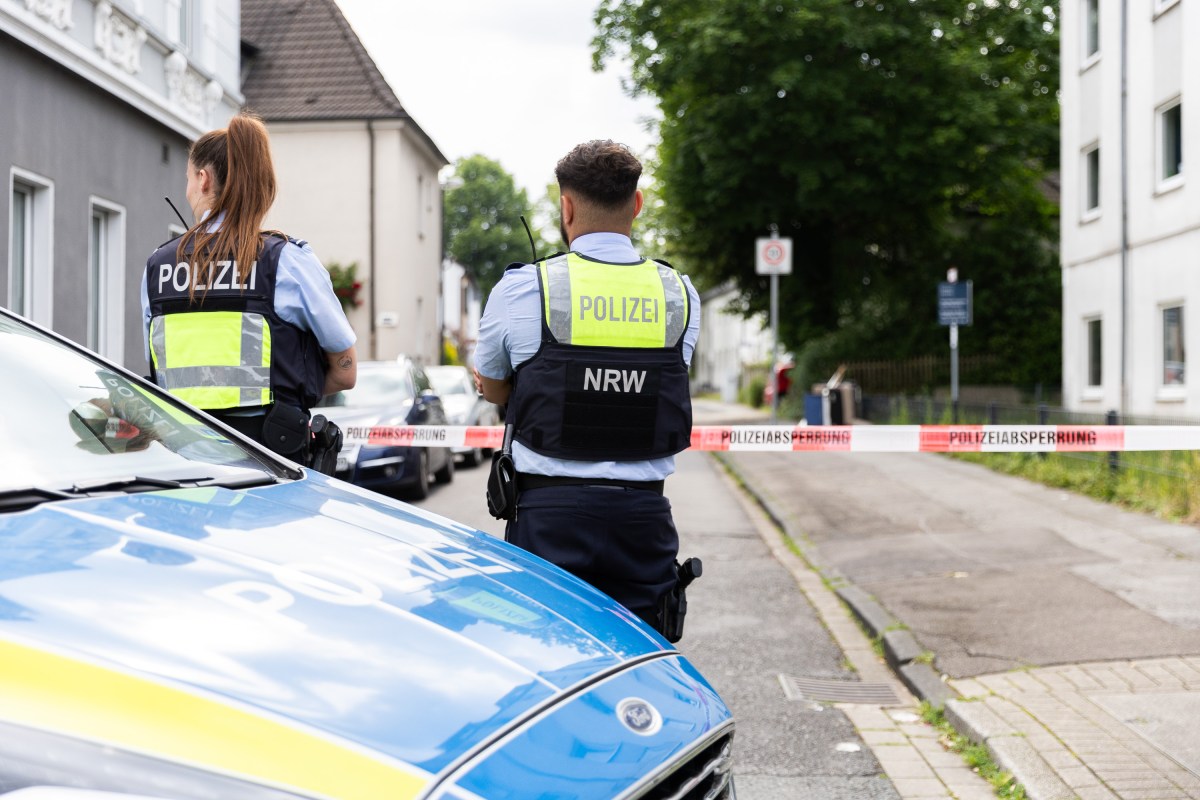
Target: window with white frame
point(1091, 180)
point(30, 246)
point(19, 256)
point(1095, 353)
point(106, 279)
point(1091, 28)
point(179, 22)
point(1170, 139)
point(1174, 358)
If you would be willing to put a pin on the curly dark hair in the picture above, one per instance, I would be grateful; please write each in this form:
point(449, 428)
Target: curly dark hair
point(602, 171)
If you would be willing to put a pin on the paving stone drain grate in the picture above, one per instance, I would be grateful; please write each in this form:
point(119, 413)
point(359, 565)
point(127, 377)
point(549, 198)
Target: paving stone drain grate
point(835, 691)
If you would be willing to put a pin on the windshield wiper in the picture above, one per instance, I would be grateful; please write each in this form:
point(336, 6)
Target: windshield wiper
point(27, 497)
point(132, 483)
point(241, 482)
point(140, 483)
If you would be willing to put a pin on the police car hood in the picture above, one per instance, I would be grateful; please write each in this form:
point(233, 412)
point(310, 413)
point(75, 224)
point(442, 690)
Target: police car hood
point(314, 601)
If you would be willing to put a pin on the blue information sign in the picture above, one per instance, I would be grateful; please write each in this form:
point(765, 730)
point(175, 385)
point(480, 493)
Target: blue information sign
point(954, 303)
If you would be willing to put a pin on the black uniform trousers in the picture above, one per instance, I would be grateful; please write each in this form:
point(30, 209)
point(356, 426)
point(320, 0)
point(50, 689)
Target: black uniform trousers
point(620, 540)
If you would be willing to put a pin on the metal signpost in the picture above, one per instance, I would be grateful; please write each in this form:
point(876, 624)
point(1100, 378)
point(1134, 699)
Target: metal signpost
point(773, 256)
point(954, 309)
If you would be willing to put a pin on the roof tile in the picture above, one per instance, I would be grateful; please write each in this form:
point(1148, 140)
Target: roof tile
point(310, 64)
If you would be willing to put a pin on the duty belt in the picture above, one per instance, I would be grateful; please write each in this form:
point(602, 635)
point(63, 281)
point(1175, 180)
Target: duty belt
point(527, 480)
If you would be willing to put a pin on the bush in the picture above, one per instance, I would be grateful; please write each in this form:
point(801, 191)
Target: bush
point(752, 393)
point(345, 284)
point(449, 352)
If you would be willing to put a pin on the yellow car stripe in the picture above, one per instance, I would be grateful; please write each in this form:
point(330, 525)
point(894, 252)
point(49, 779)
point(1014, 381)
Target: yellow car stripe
point(53, 692)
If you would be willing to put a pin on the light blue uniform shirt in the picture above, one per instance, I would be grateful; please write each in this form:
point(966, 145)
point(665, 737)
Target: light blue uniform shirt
point(510, 332)
point(303, 296)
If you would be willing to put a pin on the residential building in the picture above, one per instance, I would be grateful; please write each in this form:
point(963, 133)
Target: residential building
point(1130, 213)
point(101, 100)
point(462, 306)
point(358, 178)
point(729, 343)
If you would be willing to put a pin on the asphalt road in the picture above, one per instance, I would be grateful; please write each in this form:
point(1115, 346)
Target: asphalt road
point(748, 625)
point(991, 572)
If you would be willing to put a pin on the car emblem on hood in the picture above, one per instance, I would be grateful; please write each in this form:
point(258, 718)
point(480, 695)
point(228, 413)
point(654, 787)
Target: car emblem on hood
point(639, 716)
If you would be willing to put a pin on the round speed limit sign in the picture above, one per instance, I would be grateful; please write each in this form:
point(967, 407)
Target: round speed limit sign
point(773, 256)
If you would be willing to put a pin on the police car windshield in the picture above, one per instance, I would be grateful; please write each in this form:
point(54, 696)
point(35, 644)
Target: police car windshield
point(67, 419)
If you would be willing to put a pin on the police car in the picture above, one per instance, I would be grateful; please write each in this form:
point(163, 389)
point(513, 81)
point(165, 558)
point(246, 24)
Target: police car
point(184, 615)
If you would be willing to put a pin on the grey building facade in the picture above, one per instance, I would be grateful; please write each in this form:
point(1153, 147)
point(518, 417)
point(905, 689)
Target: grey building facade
point(98, 104)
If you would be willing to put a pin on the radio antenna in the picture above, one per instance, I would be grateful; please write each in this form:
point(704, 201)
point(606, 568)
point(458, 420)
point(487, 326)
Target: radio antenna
point(529, 233)
point(176, 210)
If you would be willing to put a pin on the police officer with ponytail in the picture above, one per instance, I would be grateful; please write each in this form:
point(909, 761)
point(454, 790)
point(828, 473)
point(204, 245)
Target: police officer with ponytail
point(240, 322)
point(590, 352)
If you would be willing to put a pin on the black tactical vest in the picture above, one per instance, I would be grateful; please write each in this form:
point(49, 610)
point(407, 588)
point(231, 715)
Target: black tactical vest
point(601, 401)
point(297, 362)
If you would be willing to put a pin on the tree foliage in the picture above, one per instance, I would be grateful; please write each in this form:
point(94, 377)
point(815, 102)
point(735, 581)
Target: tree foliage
point(890, 140)
point(483, 231)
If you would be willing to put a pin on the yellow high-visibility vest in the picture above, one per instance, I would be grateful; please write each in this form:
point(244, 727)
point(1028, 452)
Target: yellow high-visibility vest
point(213, 359)
point(613, 305)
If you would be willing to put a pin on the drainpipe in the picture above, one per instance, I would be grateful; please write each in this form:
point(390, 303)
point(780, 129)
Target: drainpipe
point(1124, 406)
point(371, 236)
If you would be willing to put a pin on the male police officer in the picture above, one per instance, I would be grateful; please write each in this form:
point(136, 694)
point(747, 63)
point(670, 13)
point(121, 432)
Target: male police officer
point(590, 351)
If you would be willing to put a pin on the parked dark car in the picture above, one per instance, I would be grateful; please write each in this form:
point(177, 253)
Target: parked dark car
point(186, 615)
point(390, 393)
point(464, 406)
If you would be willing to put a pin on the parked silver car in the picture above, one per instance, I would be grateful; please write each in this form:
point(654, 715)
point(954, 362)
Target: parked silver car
point(464, 406)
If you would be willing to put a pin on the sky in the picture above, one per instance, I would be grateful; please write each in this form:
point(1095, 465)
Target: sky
point(511, 80)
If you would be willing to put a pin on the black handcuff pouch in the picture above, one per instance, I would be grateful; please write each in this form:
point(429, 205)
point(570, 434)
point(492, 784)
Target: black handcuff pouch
point(502, 481)
point(285, 430)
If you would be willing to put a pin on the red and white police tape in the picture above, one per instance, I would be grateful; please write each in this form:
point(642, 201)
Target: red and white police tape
point(849, 438)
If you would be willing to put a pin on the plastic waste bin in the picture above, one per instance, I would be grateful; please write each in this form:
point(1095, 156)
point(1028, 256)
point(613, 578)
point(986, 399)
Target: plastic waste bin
point(837, 413)
point(814, 412)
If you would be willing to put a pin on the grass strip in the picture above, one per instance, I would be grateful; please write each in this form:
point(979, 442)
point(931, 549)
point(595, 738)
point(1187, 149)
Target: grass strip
point(976, 756)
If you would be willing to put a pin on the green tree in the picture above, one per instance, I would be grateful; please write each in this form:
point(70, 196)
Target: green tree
point(889, 139)
point(549, 219)
point(483, 210)
point(653, 234)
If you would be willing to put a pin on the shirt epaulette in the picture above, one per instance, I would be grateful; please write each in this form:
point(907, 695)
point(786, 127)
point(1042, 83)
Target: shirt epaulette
point(286, 238)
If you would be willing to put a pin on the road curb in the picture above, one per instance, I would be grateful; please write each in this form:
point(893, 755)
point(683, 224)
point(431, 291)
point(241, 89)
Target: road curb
point(1009, 748)
point(974, 720)
point(900, 648)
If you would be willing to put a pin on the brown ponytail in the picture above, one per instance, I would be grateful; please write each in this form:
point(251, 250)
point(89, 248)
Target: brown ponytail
point(240, 159)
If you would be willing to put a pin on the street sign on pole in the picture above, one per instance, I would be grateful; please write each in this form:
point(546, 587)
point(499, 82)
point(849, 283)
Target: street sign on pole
point(954, 303)
point(773, 256)
point(954, 309)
